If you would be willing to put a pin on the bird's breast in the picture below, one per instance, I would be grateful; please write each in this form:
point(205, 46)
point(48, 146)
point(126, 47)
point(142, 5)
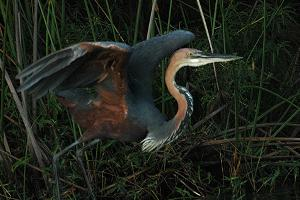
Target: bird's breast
point(108, 116)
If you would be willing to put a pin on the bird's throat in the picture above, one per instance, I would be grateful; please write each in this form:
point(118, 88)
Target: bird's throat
point(182, 104)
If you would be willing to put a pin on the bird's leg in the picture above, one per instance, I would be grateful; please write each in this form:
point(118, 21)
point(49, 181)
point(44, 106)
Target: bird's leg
point(55, 165)
point(79, 154)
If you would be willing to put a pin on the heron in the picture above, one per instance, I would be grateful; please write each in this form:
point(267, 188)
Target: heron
point(107, 87)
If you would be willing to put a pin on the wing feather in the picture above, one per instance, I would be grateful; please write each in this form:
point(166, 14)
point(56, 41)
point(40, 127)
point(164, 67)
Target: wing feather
point(50, 83)
point(76, 66)
point(44, 62)
point(146, 56)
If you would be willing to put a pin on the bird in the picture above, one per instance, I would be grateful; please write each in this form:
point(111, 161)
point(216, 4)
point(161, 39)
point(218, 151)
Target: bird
point(107, 87)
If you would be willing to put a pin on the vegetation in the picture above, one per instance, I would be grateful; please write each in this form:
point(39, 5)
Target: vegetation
point(244, 135)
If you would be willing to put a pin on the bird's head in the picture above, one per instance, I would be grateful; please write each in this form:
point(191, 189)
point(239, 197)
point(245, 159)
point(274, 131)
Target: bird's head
point(196, 58)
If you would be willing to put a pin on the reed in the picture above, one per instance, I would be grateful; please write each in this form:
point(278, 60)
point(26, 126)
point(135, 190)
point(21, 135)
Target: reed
point(244, 133)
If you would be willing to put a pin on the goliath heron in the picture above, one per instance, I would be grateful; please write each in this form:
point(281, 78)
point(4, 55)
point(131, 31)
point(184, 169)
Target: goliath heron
point(107, 87)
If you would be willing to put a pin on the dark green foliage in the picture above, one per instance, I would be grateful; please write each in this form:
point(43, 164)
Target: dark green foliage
point(242, 138)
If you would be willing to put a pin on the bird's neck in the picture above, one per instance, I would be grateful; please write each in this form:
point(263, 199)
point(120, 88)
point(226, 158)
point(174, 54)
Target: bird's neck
point(182, 103)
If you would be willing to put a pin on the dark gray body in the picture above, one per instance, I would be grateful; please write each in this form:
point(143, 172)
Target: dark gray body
point(107, 85)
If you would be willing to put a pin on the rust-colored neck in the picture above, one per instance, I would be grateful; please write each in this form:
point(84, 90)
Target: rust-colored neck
point(173, 68)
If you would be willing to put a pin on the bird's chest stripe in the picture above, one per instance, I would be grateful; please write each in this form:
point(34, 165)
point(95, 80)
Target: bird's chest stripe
point(187, 108)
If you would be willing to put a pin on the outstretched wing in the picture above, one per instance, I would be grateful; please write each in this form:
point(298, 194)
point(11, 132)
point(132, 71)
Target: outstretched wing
point(147, 55)
point(79, 66)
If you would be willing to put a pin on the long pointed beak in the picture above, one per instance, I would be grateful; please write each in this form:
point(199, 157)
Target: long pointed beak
point(207, 58)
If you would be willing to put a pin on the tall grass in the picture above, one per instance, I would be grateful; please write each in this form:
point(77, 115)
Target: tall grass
point(243, 135)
